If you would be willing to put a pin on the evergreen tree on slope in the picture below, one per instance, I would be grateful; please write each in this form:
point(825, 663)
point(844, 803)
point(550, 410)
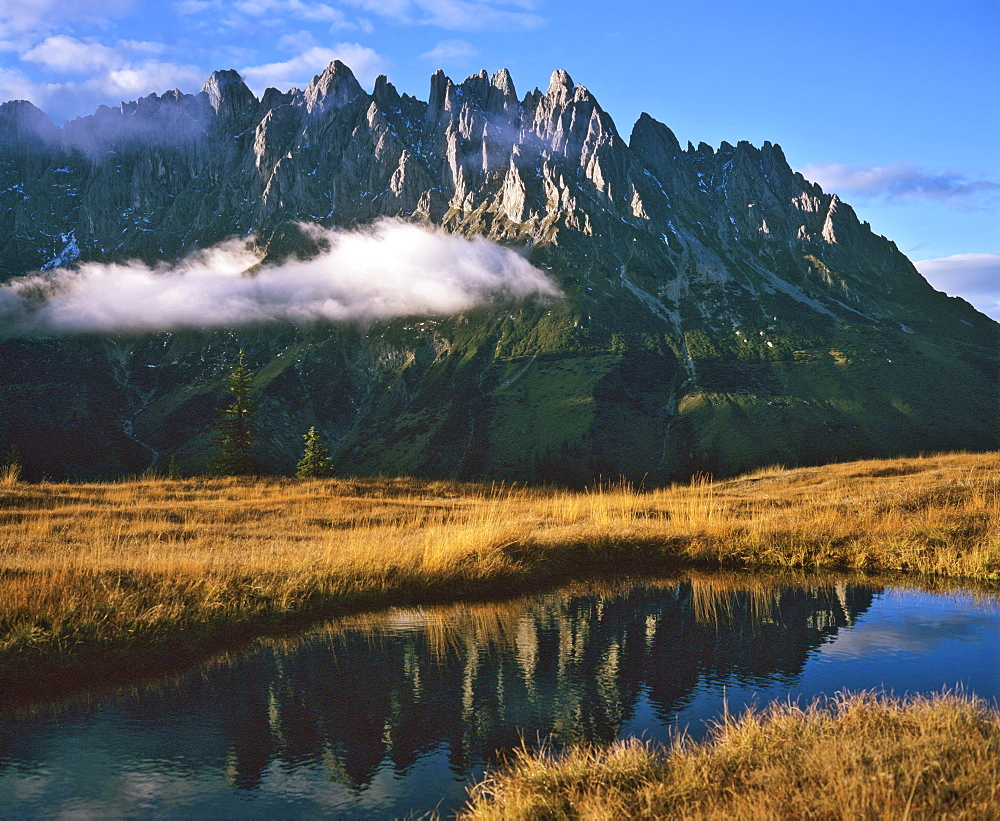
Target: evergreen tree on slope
point(235, 425)
point(315, 462)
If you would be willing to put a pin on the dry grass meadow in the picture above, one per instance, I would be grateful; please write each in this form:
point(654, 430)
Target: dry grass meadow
point(133, 570)
point(862, 756)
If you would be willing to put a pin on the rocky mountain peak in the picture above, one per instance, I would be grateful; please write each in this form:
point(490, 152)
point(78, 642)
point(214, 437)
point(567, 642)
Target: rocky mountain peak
point(228, 94)
point(334, 88)
point(385, 93)
point(504, 83)
point(172, 118)
point(272, 98)
point(477, 88)
point(649, 136)
point(560, 86)
point(23, 124)
point(437, 99)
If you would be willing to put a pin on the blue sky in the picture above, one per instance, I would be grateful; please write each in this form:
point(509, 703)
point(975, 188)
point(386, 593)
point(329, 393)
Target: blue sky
point(894, 105)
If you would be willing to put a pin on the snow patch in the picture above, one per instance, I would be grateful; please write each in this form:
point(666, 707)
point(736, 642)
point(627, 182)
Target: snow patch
point(70, 252)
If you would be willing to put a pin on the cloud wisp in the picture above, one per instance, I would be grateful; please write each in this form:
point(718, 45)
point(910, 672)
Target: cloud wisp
point(87, 69)
point(24, 24)
point(390, 269)
point(975, 276)
point(901, 181)
point(297, 71)
point(450, 52)
point(456, 15)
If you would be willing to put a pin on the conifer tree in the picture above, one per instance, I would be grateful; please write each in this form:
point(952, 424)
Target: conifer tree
point(173, 472)
point(315, 462)
point(235, 425)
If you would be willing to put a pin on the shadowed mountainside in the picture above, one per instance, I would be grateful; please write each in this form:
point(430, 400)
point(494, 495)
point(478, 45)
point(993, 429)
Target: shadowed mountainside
point(720, 311)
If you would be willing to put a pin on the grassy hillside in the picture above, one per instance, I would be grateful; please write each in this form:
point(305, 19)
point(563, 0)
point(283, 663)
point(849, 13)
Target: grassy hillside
point(596, 385)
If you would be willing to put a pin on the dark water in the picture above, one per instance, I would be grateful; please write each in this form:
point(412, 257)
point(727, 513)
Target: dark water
point(386, 715)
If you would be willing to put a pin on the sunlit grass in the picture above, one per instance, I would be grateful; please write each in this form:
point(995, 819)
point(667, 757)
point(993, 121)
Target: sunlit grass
point(158, 563)
point(857, 756)
point(10, 474)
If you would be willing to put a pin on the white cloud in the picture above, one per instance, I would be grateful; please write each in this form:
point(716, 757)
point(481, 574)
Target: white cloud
point(191, 7)
point(81, 74)
point(14, 85)
point(387, 270)
point(114, 70)
point(459, 15)
point(256, 8)
point(70, 75)
point(244, 15)
point(398, 10)
point(298, 41)
point(67, 54)
point(142, 46)
point(144, 78)
point(974, 277)
point(901, 181)
point(475, 16)
point(447, 52)
point(299, 70)
point(127, 81)
point(318, 11)
point(26, 22)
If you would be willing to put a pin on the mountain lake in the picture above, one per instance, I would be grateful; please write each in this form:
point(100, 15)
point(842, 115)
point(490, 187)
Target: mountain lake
point(396, 713)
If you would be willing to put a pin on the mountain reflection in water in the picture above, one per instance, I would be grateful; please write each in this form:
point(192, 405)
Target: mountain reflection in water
point(367, 701)
point(568, 665)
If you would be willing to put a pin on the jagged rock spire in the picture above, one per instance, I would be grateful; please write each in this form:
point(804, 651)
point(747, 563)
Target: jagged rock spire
point(228, 94)
point(334, 88)
point(559, 82)
point(504, 83)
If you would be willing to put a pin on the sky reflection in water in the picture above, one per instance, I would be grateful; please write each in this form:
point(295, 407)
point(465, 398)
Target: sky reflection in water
point(380, 715)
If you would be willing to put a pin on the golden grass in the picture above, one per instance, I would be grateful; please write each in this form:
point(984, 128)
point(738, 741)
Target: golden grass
point(197, 562)
point(10, 474)
point(863, 756)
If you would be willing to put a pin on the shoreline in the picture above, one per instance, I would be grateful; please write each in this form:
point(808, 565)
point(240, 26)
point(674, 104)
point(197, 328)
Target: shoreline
point(56, 675)
point(151, 576)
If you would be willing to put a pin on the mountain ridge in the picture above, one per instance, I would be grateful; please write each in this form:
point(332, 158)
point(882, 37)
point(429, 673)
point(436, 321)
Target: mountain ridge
point(721, 311)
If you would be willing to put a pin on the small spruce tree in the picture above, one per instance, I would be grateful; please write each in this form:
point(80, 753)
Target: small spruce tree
point(315, 462)
point(235, 425)
point(173, 472)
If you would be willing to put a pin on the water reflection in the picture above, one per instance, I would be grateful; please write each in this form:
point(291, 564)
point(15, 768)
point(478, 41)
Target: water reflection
point(569, 665)
point(378, 715)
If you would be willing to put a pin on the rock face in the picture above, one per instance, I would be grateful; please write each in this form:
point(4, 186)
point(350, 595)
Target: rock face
point(721, 311)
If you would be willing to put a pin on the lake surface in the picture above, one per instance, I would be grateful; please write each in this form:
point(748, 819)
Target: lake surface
point(384, 715)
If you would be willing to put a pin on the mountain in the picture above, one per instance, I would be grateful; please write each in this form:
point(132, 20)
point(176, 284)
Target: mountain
point(720, 312)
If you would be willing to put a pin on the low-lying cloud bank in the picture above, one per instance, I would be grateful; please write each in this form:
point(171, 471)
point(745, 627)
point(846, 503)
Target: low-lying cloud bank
point(386, 270)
